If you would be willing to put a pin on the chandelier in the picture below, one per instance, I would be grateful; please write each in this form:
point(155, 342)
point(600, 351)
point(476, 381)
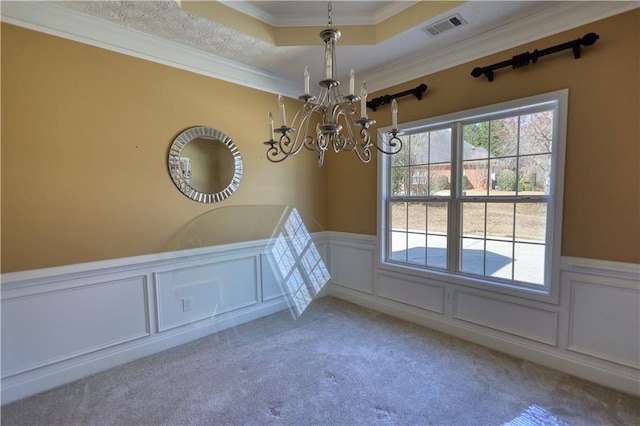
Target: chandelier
point(339, 125)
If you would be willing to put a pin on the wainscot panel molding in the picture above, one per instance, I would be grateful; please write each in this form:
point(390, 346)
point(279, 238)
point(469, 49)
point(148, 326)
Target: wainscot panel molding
point(593, 332)
point(352, 262)
point(64, 323)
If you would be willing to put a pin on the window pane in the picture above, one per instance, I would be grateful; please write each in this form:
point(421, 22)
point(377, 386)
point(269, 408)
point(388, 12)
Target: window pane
point(437, 251)
point(475, 136)
point(437, 217)
point(440, 146)
point(475, 177)
point(530, 264)
point(504, 137)
point(417, 220)
point(531, 222)
point(400, 181)
point(536, 133)
point(402, 157)
point(419, 148)
point(534, 174)
point(472, 256)
point(419, 185)
point(500, 220)
point(417, 248)
point(503, 176)
point(499, 259)
point(473, 219)
point(439, 179)
point(398, 216)
point(398, 246)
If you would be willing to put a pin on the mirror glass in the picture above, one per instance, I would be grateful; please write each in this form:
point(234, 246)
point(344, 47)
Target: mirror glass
point(205, 164)
point(211, 164)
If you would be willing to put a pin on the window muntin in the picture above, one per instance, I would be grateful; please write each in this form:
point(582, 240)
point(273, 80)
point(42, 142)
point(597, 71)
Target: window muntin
point(487, 208)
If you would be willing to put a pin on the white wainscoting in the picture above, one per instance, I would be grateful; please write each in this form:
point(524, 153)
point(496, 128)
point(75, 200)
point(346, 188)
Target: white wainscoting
point(62, 324)
point(593, 332)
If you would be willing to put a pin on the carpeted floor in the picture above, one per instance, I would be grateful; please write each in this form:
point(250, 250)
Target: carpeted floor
point(337, 365)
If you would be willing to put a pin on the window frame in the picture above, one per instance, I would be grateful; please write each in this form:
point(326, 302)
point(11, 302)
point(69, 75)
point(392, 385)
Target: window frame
point(549, 291)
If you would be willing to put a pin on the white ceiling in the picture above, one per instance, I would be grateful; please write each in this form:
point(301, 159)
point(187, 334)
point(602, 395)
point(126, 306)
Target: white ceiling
point(163, 32)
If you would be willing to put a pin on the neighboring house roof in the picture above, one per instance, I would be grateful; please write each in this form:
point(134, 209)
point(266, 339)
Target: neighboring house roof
point(440, 148)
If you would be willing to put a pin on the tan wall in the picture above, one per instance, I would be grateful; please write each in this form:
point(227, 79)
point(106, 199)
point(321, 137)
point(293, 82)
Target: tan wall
point(602, 176)
point(85, 135)
point(85, 138)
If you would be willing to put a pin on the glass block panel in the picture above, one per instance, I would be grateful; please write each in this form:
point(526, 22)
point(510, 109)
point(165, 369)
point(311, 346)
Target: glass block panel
point(440, 147)
point(437, 251)
point(500, 220)
point(417, 218)
point(437, 217)
point(531, 222)
point(530, 263)
point(400, 181)
point(399, 215)
point(472, 256)
point(499, 259)
point(473, 219)
point(534, 174)
point(398, 246)
point(503, 176)
point(504, 137)
point(536, 133)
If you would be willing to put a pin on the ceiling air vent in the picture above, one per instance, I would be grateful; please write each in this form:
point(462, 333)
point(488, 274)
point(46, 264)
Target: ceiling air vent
point(444, 25)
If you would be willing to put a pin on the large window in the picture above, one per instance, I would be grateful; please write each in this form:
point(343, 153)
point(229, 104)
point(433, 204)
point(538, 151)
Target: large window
point(477, 195)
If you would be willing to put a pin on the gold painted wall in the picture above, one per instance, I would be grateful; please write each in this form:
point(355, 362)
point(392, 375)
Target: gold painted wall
point(602, 174)
point(85, 138)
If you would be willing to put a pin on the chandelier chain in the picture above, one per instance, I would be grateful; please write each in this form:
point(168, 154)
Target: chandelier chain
point(330, 21)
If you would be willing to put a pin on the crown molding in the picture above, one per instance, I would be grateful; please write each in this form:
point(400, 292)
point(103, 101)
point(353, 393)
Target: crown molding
point(375, 18)
point(62, 22)
point(533, 27)
point(391, 10)
point(66, 23)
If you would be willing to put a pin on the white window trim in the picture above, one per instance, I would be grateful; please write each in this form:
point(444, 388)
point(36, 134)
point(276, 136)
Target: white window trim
point(548, 293)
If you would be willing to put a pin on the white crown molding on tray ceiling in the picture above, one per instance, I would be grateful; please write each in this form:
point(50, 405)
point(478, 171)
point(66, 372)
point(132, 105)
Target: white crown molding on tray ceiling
point(66, 23)
point(298, 20)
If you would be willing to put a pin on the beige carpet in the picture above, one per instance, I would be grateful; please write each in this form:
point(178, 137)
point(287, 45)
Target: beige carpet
point(337, 365)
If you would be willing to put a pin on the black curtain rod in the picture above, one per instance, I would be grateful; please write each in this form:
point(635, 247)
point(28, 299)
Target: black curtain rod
point(523, 59)
point(386, 99)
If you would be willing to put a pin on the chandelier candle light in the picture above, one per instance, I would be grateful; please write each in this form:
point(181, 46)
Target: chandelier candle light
point(339, 124)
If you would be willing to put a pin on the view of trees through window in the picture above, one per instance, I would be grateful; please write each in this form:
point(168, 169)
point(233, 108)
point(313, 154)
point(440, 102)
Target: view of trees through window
point(502, 192)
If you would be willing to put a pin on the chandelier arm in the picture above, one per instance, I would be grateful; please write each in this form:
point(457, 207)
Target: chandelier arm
point(395, 144)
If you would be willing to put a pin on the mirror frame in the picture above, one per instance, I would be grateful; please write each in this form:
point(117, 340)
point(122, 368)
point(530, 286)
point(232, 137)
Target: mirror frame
point(175, 171)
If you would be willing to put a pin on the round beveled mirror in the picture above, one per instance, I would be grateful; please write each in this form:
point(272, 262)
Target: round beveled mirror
point(205, 164)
